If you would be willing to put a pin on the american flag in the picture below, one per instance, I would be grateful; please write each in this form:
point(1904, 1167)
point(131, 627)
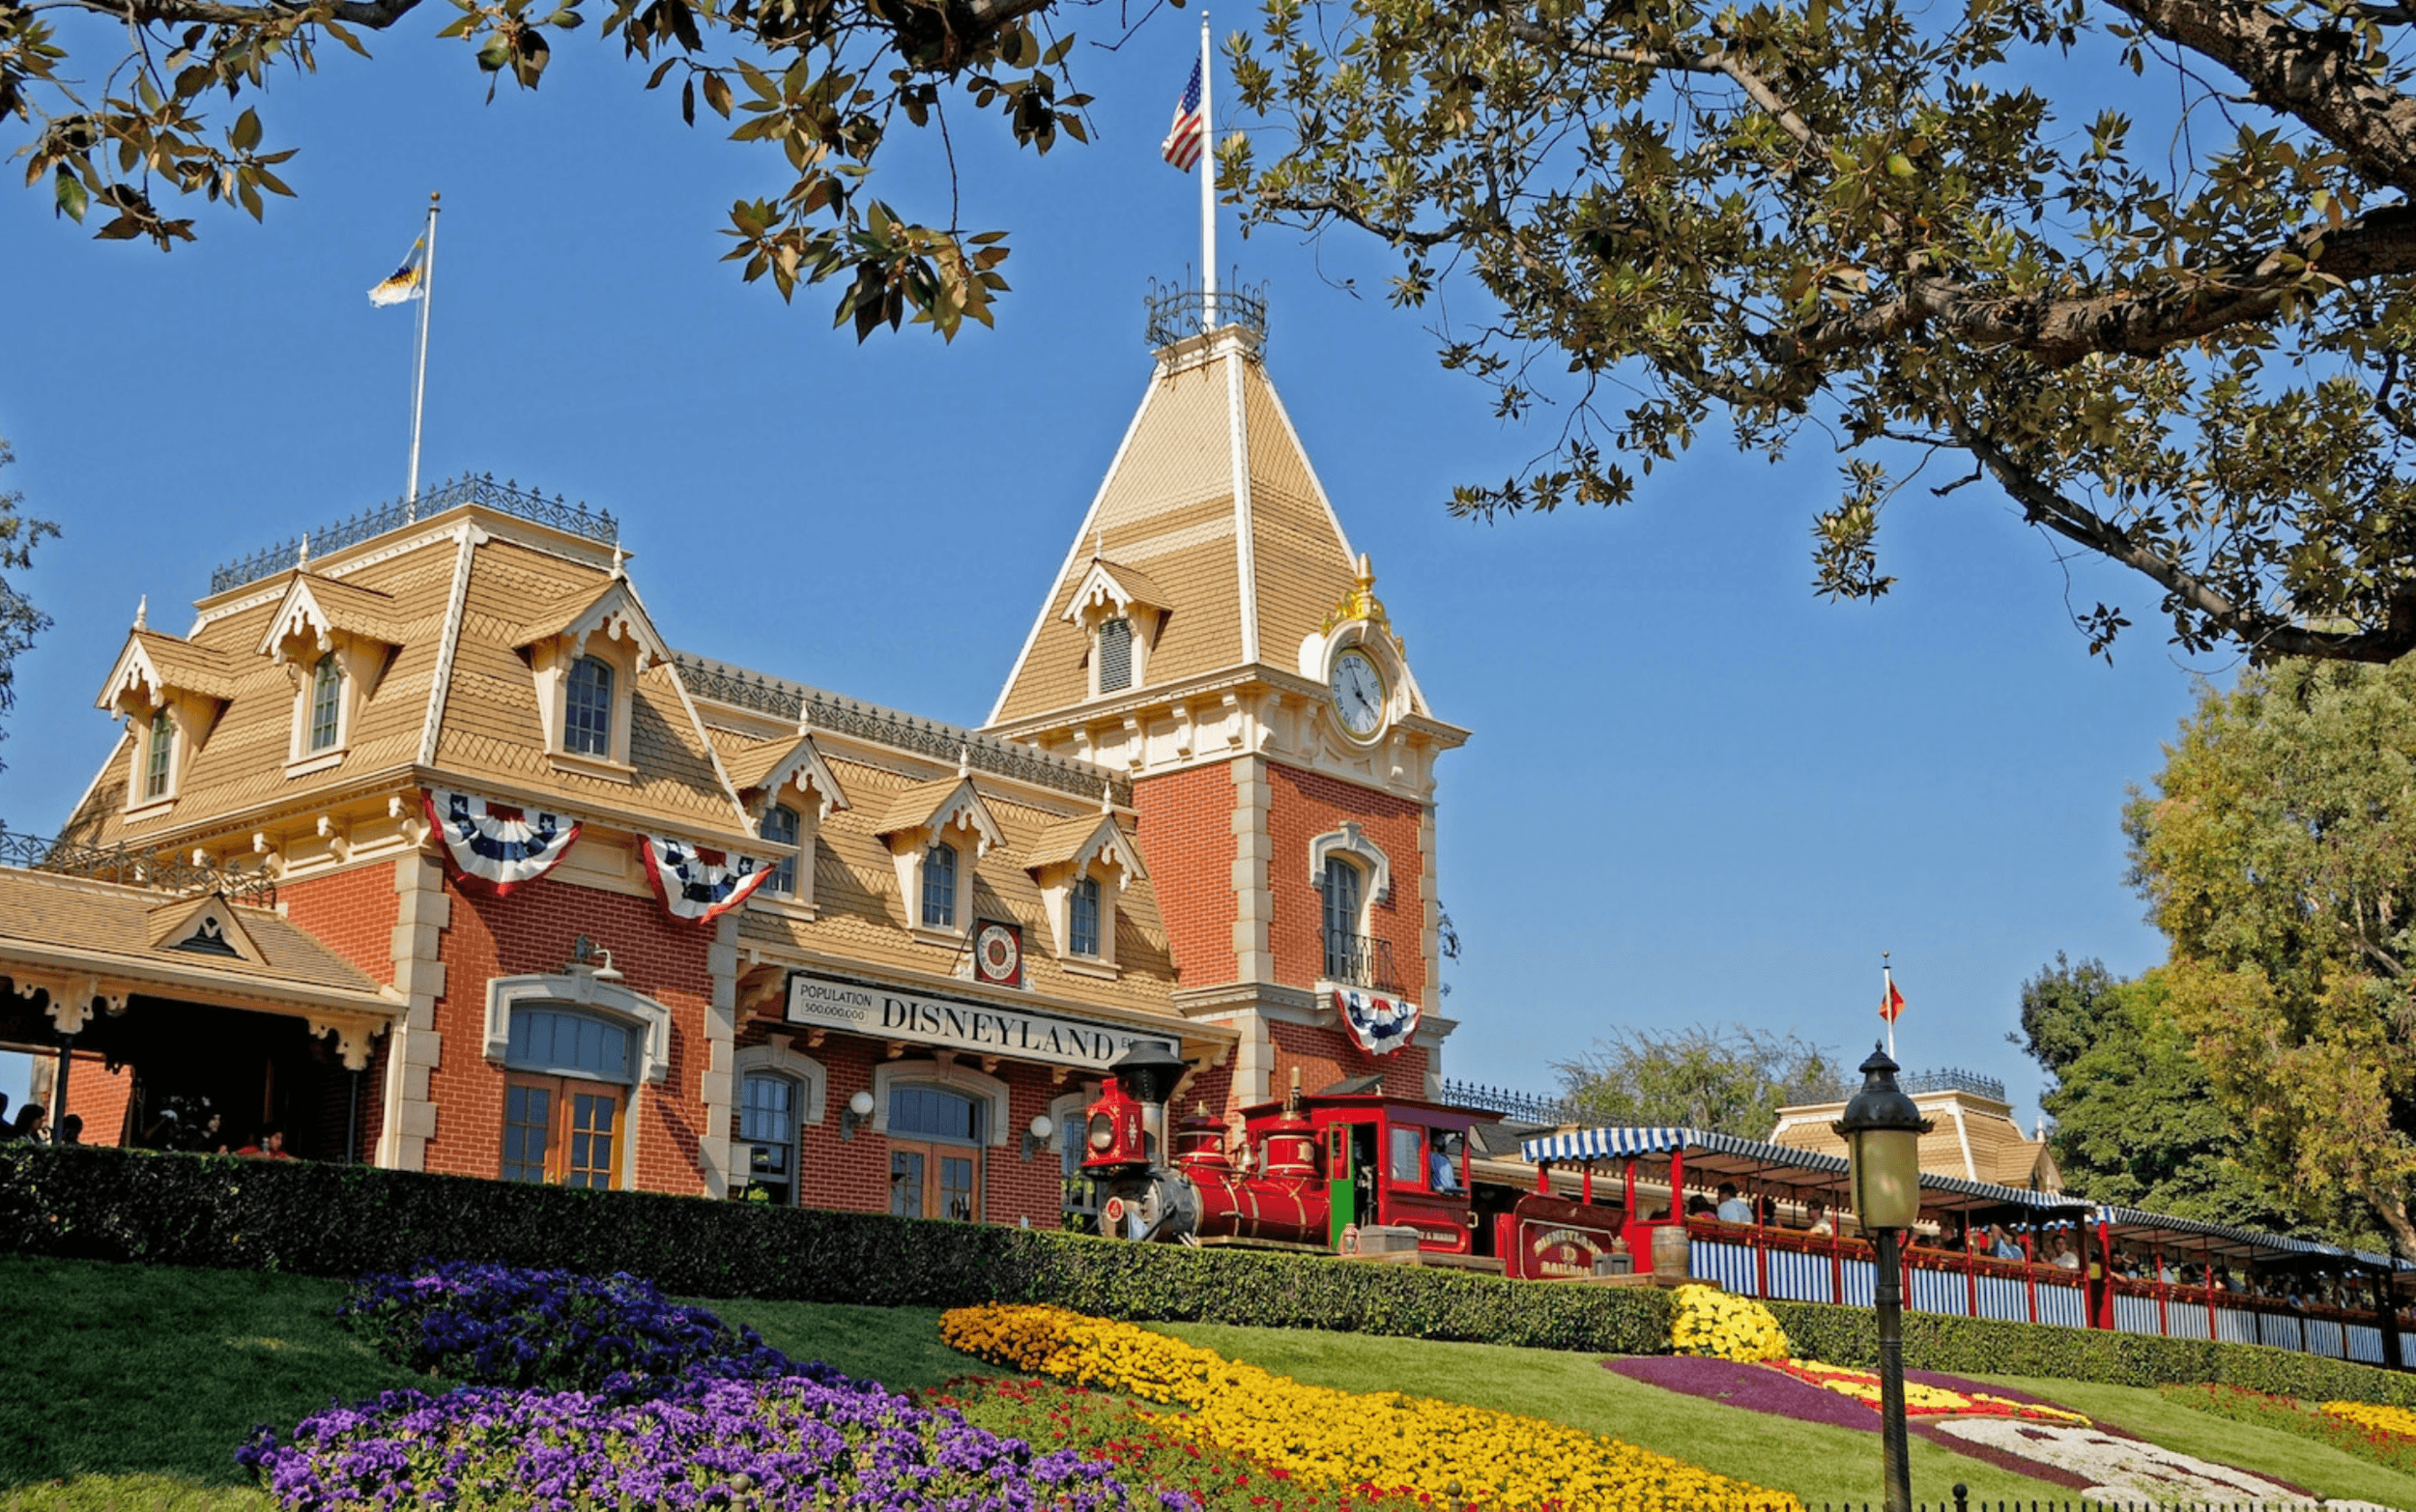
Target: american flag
point(1183, 142)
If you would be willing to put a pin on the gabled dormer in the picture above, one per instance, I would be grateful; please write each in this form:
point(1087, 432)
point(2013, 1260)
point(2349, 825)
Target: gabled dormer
point(210, 928)
point(171, 692)
point(787, 790)
point(937, 833)
point(335, 640)
point(1120, 613)
point(587, 650)
point(1082, 865)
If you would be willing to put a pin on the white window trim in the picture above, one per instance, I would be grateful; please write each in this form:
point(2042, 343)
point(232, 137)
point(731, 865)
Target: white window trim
point(552, 674)
point(951, 1076)
point(1065, 1115)
point(777, 1055)
point(143, 798)
point(356, 660)
point(1375, 866)
point(650, 1019)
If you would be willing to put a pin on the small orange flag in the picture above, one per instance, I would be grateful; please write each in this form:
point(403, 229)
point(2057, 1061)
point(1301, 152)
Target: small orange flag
point(1891, 1005)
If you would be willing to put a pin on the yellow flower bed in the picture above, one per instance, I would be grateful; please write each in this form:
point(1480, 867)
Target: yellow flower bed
point(1711, 1322)
point(1923, 1401)
point(1467, 1455)
point(2382, 1419)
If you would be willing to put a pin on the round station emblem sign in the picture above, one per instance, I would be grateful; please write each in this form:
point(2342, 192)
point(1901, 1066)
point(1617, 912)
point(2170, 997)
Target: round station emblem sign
point(998, 954)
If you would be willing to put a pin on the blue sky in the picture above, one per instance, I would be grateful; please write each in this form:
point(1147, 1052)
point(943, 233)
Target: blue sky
point(1695, 792)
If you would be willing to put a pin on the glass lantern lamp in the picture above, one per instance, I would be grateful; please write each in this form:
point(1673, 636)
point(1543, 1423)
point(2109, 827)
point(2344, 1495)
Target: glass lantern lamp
point(1883, 1130)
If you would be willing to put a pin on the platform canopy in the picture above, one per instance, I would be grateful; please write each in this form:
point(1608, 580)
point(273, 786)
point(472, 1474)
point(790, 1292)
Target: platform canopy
point(1709, 1152)
point(2194, 1234)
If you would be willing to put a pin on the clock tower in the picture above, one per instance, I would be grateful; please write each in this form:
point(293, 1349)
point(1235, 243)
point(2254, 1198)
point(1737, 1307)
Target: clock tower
point(1213, 636)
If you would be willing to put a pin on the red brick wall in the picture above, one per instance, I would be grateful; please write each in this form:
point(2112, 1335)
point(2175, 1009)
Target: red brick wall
point(1326, 1056)
point(1305, 805)
point(854, 1173)
point(351, 913)
point(98, 1098)
point(1187, 843)
point(533, 930)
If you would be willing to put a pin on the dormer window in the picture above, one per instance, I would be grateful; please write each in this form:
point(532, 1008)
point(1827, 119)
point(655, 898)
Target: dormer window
point(159, 756)
point(1122, 612)
point(1115, 655)
point(1083, 919)
point(939, 887)
point(779, 823)
point(326, 703)
point(588, 708)
point(927, 828)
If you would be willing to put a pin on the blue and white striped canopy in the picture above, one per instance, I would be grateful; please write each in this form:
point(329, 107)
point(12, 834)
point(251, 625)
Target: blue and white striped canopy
point(2228, 1240)
point(1714, 1153)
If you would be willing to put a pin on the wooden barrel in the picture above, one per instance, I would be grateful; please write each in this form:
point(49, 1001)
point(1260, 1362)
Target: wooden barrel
point(1670, 1251)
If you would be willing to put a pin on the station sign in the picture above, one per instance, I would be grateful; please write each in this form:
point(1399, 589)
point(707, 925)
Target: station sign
point(984, 1028)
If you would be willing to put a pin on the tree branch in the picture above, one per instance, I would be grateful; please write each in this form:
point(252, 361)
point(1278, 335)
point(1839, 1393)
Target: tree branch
point(1328, 205)
point(2317, 76)
point(2265, 635)
point(367, 15)
point(1718, 61)
point(2142, 321)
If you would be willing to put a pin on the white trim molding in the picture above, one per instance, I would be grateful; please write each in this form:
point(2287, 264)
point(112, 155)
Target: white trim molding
point(778, 1055)
point(576, 988)
point(1348, 840)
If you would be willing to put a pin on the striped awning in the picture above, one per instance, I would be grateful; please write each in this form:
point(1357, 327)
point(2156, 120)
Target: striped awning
point(1716, 1154)
point(2230, 1241)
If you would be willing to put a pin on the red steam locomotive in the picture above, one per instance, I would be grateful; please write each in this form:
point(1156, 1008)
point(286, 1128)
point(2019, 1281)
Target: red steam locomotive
point(1314, 1169)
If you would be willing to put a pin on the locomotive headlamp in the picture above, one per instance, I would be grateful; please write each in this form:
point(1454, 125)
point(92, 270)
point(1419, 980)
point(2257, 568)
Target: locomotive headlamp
point(1102, 1131)
point(1883, 1130)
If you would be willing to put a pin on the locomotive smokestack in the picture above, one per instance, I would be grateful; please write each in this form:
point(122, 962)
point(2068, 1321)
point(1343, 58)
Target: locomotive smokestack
point(1148, 1073)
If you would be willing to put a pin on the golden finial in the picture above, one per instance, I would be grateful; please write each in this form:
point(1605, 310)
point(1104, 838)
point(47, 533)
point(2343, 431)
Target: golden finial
point(1361, 602)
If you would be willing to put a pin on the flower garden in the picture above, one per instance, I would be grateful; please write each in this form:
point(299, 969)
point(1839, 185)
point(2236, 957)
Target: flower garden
point(592, 1393)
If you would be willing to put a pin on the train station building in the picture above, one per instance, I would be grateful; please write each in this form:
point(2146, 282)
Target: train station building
point(421, 846)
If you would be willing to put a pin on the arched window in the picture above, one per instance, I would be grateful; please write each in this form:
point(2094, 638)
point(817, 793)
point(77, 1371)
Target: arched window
point(939, 887)
point(935, 1139)
point(1346, 950)
point(767, 1125)
point(1083, 917)
point(160, 756)
point(562, 1101)
point(327, 703)
point(1115, 655)
point(588, 708)
point(781, 824)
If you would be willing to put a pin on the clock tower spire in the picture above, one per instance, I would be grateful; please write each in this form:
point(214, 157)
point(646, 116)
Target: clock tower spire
point(1213, 633)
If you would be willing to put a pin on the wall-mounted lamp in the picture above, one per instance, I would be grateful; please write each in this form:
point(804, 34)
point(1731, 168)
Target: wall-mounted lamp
point(584, 956)
point(859, 1108)
point(1036, 1137)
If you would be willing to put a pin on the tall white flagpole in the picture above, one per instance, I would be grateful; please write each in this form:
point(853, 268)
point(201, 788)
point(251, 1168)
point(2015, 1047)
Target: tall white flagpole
point(1207, 175)
point(419, 378)
point(1887, 999)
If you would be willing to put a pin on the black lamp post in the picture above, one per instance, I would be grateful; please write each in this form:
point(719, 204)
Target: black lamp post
point(1883, 1130)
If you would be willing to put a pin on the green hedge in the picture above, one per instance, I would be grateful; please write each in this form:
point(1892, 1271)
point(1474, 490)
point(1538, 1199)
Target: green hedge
point(227, 1214)
point(223, 1213)
point(1983, 1346)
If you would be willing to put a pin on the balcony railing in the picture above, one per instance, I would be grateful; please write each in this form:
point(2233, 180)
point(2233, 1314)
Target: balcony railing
point(1954, 1079)
point(1177, 313)
point(131, 868)
point(1360, 960)
point(507, 496)
point(1524, 1106)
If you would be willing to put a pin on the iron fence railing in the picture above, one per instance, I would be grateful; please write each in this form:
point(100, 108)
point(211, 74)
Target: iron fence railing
point(1360, 960)
point(131, 868)
point(1177, 313)
point(1525, 1106)
point(819, 710)
point(1953, 1079)
point(506, 496)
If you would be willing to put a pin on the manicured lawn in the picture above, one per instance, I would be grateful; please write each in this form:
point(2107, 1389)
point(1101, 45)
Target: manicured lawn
point(1816, 1463)
point(898, 1347)
point(2318, 1466)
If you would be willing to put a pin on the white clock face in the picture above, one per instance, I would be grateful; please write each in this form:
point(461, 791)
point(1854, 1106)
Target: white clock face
point(1358, 694)
point(998, 954)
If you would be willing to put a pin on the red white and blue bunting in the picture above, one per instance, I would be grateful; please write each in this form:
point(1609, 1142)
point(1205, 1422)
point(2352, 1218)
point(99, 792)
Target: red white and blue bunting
point(1381, 1025)
point(698, 883)
point(501, 844)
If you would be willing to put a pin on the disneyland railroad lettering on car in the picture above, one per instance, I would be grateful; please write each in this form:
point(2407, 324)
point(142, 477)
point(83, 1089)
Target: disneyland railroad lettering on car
point(944, 1021)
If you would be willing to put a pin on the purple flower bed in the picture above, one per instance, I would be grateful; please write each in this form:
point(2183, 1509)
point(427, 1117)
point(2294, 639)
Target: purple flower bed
point(811, 1439)
point(1758, 1388)
point(552, 1330)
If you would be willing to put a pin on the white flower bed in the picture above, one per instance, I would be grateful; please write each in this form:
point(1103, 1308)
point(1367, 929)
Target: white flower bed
point(2126, 1470)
